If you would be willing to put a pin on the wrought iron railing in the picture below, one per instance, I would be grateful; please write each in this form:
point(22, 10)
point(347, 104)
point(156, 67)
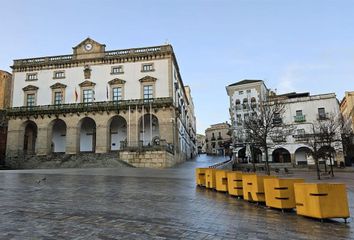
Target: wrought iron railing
point(140, 146)
point(300, 118)
point(87, 107)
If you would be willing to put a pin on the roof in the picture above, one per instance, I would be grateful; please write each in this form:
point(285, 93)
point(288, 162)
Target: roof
point(294, 95)
point(246, 81)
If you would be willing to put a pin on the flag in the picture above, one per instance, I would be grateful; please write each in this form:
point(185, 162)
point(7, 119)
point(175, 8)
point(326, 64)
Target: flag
point(76, 95)
point(107, 92)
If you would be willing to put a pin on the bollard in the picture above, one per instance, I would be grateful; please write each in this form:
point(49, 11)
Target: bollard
point(234, 183)
point(321, 200)
point(200, 176)
point(221, 180)
point(279, 192)
point(253, 187)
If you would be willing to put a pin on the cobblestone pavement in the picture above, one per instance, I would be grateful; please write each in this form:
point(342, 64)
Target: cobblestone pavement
point(144, 204)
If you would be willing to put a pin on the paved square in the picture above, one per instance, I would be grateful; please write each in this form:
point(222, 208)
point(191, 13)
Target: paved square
point(131, 203)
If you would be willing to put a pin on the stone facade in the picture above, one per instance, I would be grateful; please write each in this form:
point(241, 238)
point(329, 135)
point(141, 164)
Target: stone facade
point(201, 144)
point(218, 139)
point(5, 89)
point(301, 112)
point(347, 108)
point(101, 101)
point(150, 159)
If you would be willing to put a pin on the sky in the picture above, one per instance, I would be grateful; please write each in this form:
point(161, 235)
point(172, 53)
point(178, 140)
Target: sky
point(293, 45)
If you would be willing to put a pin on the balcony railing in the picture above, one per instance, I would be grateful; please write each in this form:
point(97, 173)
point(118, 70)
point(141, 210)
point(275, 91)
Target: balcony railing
point(300, 118)
point(278, 139)
point(141, 146)
point(87, 107)
point(302, 137)
point(322, 116)
point(277, 121)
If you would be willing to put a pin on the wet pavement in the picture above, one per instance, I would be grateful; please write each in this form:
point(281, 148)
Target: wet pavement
point(131, 203)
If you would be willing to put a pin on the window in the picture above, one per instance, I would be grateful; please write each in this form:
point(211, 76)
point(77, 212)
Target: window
point(321, 113)
point(59, 74)
point(58, 98)
point(248, 90)
point(240, 92)
point(88, 95)
point(148, 92)
point(301, 132)
point(247, 117)
point(147, 67)
point(30, 100)
point(298, 112)
point(32, 77)
point(117, 94)
point(117, 70)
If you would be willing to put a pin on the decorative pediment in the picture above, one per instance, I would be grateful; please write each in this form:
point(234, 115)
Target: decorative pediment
point(116, 81)
point(87, 84)
point(147, 79)
point(89, 49)
point(30, 88)
point(58, 85)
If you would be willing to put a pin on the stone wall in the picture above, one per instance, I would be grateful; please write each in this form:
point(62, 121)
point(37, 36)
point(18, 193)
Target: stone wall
point(150, 159)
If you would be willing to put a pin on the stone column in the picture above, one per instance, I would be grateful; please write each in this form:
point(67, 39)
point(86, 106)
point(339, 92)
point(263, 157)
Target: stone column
point(72, 139)
point(42, 140)
point(101, 138)
point(14, 144)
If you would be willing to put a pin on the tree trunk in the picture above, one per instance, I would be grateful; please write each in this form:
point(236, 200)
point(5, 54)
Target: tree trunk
point(330, 161)
point(253, 159)
point(267, 162)
point(317, 169)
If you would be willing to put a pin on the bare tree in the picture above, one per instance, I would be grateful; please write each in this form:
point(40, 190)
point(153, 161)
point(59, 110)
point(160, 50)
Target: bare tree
point(347, 135)
point(263, 123)
point(324, 133)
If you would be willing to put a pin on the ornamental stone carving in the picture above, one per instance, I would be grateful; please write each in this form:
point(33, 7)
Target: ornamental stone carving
point(116, 81)
point(87, 84)
point(58, 85)
point(148, 79)
point(30, 88)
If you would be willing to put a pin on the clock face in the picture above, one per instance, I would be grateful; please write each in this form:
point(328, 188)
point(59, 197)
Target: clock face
point(88, 47)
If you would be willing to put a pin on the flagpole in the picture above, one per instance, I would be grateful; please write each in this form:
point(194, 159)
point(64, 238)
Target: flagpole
point(128, 128)
point(142, 112)
point(136, 123)
point(150, 124)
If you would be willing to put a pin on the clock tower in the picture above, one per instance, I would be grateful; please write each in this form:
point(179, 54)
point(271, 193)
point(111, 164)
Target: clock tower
point(88, 49)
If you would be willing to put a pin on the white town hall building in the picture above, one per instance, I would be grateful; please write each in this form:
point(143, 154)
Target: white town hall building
point(132, 101)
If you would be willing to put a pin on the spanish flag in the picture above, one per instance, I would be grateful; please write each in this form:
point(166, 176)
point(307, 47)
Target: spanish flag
point(76, 95)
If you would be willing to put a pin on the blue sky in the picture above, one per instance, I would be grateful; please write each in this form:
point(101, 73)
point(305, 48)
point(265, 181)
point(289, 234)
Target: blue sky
point(294, 45)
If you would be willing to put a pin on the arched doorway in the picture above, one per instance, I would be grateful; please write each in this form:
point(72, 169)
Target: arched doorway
point(241, 155)
point(302, 155)
point(257, 154)
point(30, 137)
point(281, 155)
point(58, 137)
point(87, 128)
point(149, 129)
point(117, 132)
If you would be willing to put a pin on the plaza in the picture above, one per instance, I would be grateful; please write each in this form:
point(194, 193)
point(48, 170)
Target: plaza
point(138, 203)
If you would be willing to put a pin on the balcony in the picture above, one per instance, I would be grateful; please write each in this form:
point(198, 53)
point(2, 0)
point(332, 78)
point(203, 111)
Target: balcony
point(139, 146)
point(322, 116)
point(300, 118)
point(279, 139)
point(238, 107)
point(88, 107)
point(277, 121)
point(302, 137)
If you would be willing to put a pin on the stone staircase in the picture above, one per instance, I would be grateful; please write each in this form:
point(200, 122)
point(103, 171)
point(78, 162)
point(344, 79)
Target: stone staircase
point(61, 160)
